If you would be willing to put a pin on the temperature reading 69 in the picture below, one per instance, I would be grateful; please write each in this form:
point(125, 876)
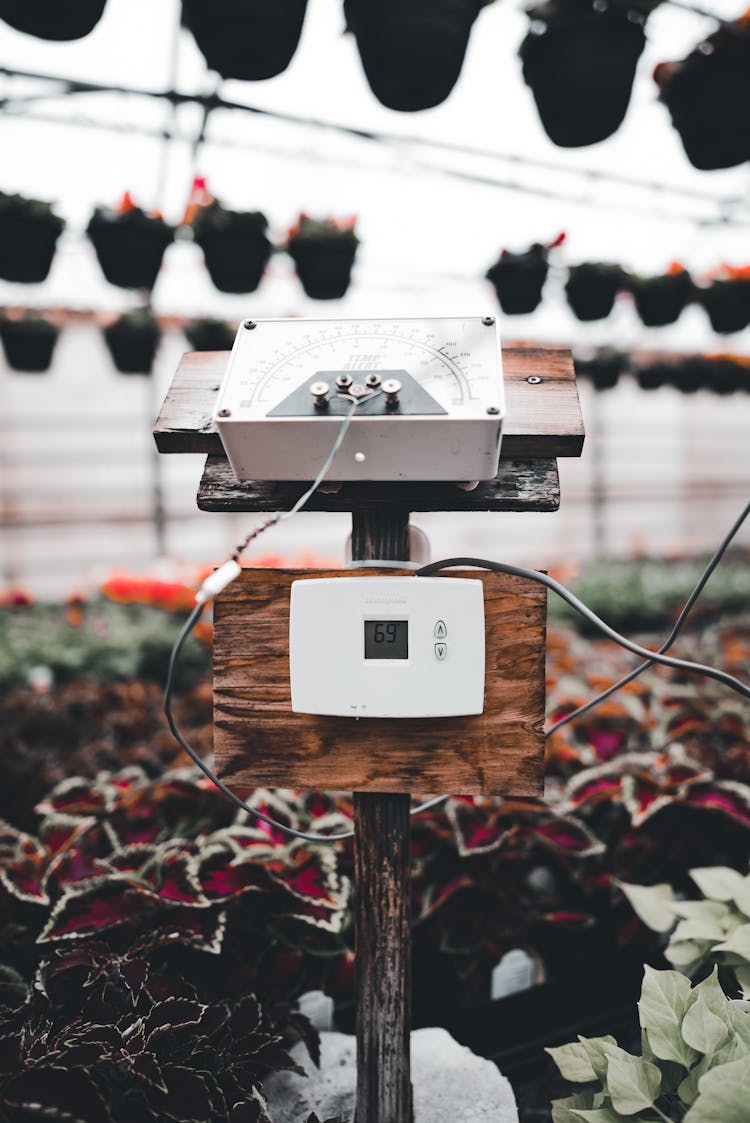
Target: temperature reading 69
point(386, 639)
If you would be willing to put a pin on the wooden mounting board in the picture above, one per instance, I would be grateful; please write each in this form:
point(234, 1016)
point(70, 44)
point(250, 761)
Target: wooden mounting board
point(544, 419)
point(520, 485)
point(258, 741)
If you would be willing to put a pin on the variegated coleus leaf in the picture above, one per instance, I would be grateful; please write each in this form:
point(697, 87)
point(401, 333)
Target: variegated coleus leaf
point(77, 796)
point(201, 929)
point(96, 906)
point(484, 826)
point(56, 1093)
point(310, 874)
point(23, 867)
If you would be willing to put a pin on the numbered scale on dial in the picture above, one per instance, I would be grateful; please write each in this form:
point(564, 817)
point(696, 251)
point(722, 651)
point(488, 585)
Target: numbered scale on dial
point(429, 396)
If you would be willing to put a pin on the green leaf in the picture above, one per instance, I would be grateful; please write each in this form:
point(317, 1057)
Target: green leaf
point(684, 955)
point(573, 1062)
point(699, 929)
point(719, 883)
point(722, 1096)
point(742, 974)
point(702, 910)
point(604, 1114)
point(665, 999)
point(737, 946)
point(652, 903)
point(596, 1050)
point(563, 1110)
point(702, 1029)
point(633, 1084)
point(742, 897)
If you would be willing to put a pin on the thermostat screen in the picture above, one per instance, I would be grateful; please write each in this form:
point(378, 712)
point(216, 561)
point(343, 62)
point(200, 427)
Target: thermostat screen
point(386, 639)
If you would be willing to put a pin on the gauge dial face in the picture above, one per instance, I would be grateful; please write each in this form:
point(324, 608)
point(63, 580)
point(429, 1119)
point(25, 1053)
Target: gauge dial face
point(457, 360)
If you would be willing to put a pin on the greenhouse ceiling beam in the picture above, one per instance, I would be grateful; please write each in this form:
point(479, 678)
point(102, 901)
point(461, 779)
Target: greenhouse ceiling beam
point(213, 101)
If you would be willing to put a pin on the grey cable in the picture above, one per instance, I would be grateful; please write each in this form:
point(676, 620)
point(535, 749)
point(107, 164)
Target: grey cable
point(601, 697)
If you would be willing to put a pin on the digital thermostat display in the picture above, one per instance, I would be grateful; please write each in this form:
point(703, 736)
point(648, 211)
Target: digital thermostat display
point(386, 639)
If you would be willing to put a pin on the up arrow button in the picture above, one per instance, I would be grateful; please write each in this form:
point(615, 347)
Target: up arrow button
point(440, 630)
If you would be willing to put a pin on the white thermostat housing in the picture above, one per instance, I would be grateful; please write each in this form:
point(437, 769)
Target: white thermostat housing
point(396, 647)
point(290, 383)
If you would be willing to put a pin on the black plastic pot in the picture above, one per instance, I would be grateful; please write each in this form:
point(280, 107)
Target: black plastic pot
point(690, 375)
point(412, 51)
point(209, 335)
point(727, 304)
point(591, 289)
point(29, 344)
point(653, 376)
point(235, 247)
point(53, 19)
point(708, 98)
point(603, 370)
point(581, 70)
point(518, 279)
point(132, 342)
point(724, 377)
point(28, 236)
point(129, 246)
point(660, 300)
point(324, 264)
point(246, 39)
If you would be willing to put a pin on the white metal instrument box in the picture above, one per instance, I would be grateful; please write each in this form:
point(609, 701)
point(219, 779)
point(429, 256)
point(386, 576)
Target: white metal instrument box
point(429, 393)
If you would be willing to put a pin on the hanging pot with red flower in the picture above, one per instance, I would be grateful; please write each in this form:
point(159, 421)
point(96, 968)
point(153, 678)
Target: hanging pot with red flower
point(727, 300)
point(246, 39)
point(660, 300)
point(59, 20)
point(29, 343)
point(129, 244)
point(591, 289)
point(579, 58)
point(235, 246)
point(29, 230)
point(323, 252)
point(412, 51)
point(708, 97)
point(518, 278)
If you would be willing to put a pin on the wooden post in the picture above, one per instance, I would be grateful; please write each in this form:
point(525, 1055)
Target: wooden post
point(382, 901)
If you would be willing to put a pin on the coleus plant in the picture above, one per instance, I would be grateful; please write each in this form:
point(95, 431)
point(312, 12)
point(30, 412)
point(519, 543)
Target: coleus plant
point(715, 929)
point(695, 1057)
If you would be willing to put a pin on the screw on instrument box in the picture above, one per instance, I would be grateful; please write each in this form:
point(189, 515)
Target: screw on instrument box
point(391, 389)
point(320, 392)
point(344, 381)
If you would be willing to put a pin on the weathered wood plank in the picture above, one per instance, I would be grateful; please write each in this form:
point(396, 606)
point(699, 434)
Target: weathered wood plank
point(521, 485)
point(382, 901)
point(259, 741)
point(544, 419)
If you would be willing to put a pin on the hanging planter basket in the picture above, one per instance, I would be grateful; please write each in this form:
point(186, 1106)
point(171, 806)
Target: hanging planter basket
point(412, 51)
point(725, 376)
point(132, 341)
point(591, 289)
point(708, 98)
point(603, 369)
point(246, 39)
point(580, 66)
point(29, 344)
point(661, 300)
point(209, 335)
point(234, 245)
point(323, 255)
point(653, 376)
point(60, 20)
point(727, 304)
point(28, 236)
point(130, 244)
point(518, 278)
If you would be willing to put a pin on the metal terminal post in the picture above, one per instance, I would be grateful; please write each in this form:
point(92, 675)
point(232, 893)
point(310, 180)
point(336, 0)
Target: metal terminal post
point(225, 412)
point(373, 381)
point(320, 392)
point(357, 390)
point(391, 389)
point(344, 381)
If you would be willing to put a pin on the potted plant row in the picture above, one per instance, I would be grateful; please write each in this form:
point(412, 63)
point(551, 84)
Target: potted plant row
point(726, 300)
point(51, 19)
point(412, 51)
point(323, 251)
point(708, 97)
point(518, 278)
point(29, 343)
point(246, 39)
point(29, 230)
point(132, 341)
point(579, 58)
point(591, 289)
point(603, 368)
point(129, 243)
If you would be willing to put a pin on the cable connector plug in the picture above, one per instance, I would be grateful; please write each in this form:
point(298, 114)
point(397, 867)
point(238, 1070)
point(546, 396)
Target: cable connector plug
point(218, 581)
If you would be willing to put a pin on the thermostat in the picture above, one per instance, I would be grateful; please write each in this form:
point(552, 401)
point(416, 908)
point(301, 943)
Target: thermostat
point(397, 647)
point(429, 395)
